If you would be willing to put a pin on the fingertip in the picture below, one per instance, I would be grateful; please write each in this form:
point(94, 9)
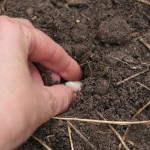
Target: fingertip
point(73, 72)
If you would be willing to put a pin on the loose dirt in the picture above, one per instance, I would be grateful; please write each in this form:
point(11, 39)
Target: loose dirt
point(104, 37)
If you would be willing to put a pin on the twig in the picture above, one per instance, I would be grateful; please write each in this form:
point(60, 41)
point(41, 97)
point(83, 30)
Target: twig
point(141, 109)
point(57, 15)
point(143, 86)
point(144, 42)
point(84, 16)
point(136, 114)
point(131, 77)
point(147, 16)
point(4, 2)
point(104, 121)
point(48, 137)
point(131, 143)
point(70, 137)
point(81, 135)
point(42, 143)
point(145, 2)
point(85, 63)
point(2, 6)
point(92, 4)
point(132, 68)
point(117, 134)
point(91, 73)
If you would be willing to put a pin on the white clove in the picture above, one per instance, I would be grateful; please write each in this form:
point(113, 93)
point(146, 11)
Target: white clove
point(75, 85)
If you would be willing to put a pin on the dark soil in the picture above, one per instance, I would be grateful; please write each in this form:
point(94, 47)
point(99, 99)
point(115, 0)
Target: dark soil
point(103, 36)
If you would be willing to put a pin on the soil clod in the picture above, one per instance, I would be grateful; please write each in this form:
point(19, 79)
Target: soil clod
point(114, 31)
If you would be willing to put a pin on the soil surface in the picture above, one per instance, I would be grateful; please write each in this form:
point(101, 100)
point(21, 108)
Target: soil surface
point(104, 36)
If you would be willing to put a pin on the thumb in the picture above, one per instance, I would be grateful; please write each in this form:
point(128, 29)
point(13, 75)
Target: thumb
point(56, 99)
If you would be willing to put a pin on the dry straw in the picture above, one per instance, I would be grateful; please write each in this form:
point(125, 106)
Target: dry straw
point(103, 121)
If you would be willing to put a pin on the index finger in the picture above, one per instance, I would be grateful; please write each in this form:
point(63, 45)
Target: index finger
point(51, 55)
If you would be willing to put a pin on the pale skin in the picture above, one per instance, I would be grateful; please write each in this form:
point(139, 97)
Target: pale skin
point(25, 103)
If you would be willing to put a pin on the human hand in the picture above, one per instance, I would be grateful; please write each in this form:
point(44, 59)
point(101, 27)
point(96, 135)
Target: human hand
point(25, 103)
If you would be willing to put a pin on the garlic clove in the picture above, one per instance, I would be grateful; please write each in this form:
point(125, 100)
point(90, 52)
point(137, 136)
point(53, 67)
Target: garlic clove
point(75, 85)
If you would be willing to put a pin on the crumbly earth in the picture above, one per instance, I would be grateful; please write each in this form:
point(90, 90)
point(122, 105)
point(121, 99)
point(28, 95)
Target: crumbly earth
point(103, 36)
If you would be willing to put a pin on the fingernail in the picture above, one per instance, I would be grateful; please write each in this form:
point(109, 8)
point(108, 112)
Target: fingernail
point(75, 85)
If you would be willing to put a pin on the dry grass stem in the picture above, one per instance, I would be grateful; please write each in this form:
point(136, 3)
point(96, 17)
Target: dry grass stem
point(70, 137)
point(131, 77)
point(144, 42)
point(85, 63)
point(104, 121)
point(91, 73)
point(131, 67)
point(81, 135)
point(131, 143)
point(4, 2)
point(57, 15)
point(115, 132)
point(84, 16)
point(136, 114)
point(2, 6)
point(141, 109)
point(144, 2)
point(143, 86)
point(42, 143)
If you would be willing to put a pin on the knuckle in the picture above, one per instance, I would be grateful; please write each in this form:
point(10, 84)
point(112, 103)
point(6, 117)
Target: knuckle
point(27, 21)
point(4, 20)
point(7, 23)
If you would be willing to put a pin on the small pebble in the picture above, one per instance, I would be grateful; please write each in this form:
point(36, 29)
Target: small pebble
point(77, 21)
